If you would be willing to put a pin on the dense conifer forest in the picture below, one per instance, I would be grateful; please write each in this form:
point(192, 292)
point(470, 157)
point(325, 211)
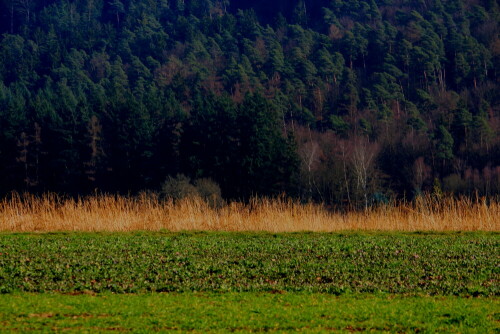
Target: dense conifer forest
point(334, 101)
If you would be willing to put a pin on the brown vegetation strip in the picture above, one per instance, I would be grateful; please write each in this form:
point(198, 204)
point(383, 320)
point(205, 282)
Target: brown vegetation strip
point(28, 213)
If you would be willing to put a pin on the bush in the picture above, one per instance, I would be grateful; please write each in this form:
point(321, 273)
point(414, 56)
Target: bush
point(181, 187)
point(454, 184)
point(210, 192)
point(178, 187)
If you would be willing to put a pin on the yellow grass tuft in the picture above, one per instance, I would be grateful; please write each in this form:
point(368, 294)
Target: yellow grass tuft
point(50, 212)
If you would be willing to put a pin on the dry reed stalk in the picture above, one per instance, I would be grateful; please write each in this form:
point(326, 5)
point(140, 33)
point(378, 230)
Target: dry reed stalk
point(28, 213)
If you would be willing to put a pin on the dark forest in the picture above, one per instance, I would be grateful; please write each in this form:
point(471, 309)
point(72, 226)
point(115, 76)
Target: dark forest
point(333, 101)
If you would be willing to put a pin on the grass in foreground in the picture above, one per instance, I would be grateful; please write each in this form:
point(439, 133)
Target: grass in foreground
point(463, 264)
point(248, 312)
point(50, 212)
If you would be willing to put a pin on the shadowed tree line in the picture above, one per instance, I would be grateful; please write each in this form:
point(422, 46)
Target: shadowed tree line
point(334, 101)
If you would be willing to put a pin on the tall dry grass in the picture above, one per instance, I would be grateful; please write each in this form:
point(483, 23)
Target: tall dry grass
point(50, 212)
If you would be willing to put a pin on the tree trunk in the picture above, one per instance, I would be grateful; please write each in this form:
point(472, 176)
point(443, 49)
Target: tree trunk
point(12, 17)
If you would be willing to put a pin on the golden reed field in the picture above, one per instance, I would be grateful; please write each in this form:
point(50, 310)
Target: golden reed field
point(50, 212)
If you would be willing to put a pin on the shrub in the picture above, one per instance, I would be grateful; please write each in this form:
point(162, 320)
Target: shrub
point(210, 192)
point(454, 184)
point(178, 187)
point(181, 187)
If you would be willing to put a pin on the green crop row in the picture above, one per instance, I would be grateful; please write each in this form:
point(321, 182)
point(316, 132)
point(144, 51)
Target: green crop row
point(436, 264)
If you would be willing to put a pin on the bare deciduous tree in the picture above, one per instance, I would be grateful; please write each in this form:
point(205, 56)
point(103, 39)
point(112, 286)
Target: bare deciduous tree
point(309, 152)
point(421, 172)
point(343, 148)
point(362, 162)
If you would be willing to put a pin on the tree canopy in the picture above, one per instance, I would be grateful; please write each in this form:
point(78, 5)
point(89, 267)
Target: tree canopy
point(262, 97)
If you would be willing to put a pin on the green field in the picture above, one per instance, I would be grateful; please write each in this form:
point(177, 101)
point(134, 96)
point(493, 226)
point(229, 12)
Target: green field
point(247, 312)
point(250, 282)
